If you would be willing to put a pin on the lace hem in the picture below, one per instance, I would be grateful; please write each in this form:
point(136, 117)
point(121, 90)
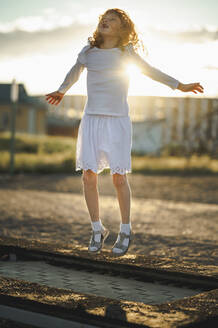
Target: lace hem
point(120, 170)
point(88, 168)
point(98, 170)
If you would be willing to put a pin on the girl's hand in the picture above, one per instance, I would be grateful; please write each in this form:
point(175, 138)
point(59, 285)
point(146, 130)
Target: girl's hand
point(194, 87)
point(54, 98)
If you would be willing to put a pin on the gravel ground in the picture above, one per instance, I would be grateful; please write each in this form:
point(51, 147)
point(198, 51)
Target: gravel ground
point(175, 217)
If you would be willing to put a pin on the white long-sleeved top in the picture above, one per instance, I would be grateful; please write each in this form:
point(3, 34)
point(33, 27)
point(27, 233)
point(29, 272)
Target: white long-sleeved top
point(108, 80)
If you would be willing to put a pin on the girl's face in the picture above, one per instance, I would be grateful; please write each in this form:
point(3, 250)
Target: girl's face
point(109, 25)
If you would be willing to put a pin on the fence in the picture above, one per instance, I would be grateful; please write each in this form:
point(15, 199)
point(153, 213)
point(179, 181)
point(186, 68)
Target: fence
point(188, 122)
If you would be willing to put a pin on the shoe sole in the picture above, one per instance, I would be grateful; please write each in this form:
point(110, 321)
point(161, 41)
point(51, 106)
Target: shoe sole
point(102, 242)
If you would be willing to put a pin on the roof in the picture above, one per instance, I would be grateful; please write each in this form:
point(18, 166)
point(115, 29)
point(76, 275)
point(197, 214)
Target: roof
point(23, 98)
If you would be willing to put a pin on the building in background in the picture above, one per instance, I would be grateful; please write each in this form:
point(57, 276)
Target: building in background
point(31, 111)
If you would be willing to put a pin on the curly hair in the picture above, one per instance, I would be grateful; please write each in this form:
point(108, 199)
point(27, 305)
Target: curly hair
point(127, 35)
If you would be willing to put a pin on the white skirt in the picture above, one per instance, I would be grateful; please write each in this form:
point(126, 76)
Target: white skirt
point(104, 142)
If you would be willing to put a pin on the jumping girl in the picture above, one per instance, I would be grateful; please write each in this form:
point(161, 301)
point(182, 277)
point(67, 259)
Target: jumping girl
point(105, 131)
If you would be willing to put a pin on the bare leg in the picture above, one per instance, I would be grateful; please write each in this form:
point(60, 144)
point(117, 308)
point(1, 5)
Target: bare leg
point(124, 195)
point(90, 187)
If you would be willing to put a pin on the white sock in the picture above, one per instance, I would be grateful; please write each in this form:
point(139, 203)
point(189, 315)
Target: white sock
point(124, 227)
point(97, 225)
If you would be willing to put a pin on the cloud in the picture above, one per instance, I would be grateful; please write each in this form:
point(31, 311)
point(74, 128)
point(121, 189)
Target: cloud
point(46, 33)
point(50, 19)
point(18, 42)
point(52, 32)
point(199, 35)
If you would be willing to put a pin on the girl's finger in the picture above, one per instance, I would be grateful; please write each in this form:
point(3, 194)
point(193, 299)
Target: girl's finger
point(52, 100)
point(50, 97)
point(56, 101)
point(51, 94)
point(199, 89)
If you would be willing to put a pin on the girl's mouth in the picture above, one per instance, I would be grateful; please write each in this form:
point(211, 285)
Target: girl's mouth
point(105, 26)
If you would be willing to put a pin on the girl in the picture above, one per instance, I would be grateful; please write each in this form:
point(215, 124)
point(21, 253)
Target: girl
point(105, 131)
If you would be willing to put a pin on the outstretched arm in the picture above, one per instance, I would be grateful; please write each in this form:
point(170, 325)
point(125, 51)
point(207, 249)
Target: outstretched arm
point(162, 77)
point(155, 74)
point(72, 77)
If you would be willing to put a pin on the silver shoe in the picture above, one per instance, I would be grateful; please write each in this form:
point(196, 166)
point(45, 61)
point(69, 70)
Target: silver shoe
point(119, 244)
point(97, 244)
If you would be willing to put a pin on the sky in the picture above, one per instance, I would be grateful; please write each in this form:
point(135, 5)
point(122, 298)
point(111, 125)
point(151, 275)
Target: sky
point(40, 41)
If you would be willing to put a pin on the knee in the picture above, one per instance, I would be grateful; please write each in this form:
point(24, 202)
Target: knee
point(89, 178)
point(119, 180)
